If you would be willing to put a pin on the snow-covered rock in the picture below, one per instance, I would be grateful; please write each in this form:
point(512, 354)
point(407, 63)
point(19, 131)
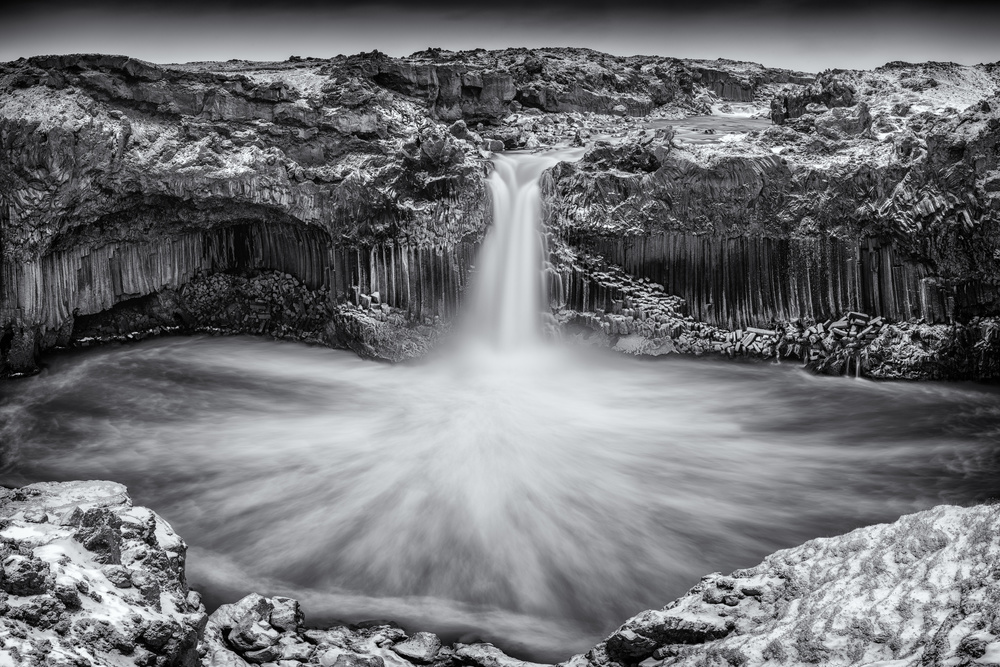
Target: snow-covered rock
point(88, 579)
point(922, 591)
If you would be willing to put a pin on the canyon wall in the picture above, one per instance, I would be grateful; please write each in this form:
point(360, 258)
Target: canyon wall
point(363, 178)
point(122, 179)
point(871, 196)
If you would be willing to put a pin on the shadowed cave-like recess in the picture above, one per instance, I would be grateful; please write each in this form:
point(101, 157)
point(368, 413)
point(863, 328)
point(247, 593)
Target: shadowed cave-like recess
point(117, 288)
point(72, 293)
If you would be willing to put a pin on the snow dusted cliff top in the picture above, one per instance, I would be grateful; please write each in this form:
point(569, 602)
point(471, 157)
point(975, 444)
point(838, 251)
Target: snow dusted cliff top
point(331, 142)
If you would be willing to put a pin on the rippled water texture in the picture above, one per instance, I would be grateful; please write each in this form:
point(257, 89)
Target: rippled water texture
point(535, 499)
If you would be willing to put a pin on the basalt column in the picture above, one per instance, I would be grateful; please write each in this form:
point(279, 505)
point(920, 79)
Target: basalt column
point(425, 281)
point(754, 281)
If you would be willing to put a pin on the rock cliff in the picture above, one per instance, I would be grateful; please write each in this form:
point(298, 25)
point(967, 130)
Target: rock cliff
point(88, 579)
point(362, 178)
point(874, 195)
point(123, 179)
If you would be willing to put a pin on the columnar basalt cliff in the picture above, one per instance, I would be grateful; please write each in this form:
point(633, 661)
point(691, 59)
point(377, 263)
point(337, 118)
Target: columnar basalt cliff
point(873, 197)
point(358, 183)
point(123, 179)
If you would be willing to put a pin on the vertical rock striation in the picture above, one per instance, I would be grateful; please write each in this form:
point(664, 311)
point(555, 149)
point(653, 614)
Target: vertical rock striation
point(123, 180)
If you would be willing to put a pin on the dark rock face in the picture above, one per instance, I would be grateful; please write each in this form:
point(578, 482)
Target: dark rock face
point(362, 178)
point(177, 163)
point(828, 91)
point(808, 229)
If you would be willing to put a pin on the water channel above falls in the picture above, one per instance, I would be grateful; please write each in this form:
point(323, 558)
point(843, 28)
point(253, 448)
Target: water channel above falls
point(711, 129)
point(513, 491)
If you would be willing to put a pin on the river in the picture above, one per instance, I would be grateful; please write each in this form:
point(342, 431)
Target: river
point(534, 499)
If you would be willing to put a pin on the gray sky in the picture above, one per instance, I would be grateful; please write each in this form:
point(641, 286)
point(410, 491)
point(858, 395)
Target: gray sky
point(784, 33)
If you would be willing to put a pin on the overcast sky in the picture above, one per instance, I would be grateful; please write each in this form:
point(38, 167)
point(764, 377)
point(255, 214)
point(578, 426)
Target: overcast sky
point(797, 34)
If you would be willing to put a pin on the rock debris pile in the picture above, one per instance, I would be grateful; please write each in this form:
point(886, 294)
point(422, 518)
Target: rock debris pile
point(271, 632)
point(272, 303)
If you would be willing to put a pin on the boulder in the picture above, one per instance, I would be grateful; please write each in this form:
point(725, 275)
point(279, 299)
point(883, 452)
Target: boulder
point(286, 615)
point(421, 648)
point(25, 575)
point(841, 123)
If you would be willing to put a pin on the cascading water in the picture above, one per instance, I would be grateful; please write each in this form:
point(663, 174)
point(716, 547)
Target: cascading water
point(535, 499)
point(508, 294)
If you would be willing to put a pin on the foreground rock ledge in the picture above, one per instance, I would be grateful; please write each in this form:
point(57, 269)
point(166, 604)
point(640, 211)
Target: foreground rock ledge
point(88, 579)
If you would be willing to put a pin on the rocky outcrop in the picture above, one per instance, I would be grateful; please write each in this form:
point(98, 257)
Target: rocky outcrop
point(863, 207)
point(779, 184)
point(921, 591)
point(827, 92)
point(596, 303)
point(375, 331)
point(123, 180)
point(485, 86)
point(88, 579)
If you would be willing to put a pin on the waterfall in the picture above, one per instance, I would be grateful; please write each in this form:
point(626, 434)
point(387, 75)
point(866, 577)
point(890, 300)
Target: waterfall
point(508, 292)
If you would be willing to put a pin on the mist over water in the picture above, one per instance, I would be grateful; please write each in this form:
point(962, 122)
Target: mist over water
point(514, 491)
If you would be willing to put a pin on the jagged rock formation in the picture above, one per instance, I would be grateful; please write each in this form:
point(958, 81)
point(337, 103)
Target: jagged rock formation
point(122, 179)
point(487, 85)
point(122, 182)
point(921, 591)
point(88, 579)
point(880, 201)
